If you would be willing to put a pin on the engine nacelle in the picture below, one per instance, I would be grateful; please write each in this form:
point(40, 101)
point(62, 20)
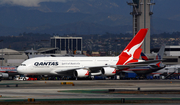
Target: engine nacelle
point(81, 73)
point(108, 71)
point(4, 75)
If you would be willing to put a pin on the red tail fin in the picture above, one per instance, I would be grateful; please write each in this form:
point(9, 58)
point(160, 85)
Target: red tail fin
point(133, 49)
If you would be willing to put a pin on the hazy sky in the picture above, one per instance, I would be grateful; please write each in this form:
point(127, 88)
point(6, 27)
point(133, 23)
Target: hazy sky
point(27, 3)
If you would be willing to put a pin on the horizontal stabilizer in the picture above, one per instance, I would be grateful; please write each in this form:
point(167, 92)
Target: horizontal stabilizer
point(154, 66)
point(147, 62)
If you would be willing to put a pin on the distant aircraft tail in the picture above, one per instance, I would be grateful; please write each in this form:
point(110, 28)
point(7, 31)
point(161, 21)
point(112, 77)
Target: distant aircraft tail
point(159, 56)
point(133, 50)
point(144, 57)
point(160, 53)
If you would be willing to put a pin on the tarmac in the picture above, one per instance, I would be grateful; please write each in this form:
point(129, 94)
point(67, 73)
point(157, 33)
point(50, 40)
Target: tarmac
point(90, 92)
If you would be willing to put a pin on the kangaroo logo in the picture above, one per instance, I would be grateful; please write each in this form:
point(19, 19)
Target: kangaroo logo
point(126, 51)
point(131, 51)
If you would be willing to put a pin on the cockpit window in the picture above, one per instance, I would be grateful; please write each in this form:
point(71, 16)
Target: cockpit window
point(23, 65)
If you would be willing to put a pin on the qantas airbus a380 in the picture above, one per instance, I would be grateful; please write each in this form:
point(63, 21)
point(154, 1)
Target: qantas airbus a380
point(85, 66)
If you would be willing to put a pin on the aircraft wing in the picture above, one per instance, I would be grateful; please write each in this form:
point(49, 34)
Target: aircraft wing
point(69, 72)
point(123, 67)
point(66, 72)
point(94, 69)
point(146, 62)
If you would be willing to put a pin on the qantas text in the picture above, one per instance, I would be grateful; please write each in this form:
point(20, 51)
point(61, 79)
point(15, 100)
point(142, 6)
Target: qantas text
point(46, 63)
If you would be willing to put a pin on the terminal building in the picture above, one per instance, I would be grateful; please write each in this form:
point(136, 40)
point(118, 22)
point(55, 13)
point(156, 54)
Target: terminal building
point(67, 45)
point(171, 54)
point(10, 57)
point(169, 50)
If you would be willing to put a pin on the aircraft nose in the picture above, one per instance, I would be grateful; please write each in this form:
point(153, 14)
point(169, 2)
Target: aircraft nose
point(20, 70)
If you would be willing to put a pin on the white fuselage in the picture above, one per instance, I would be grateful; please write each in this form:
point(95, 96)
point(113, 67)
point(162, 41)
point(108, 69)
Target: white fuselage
point(47, 65)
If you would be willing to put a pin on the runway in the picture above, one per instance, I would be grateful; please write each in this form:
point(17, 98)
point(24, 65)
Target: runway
point(91, 90)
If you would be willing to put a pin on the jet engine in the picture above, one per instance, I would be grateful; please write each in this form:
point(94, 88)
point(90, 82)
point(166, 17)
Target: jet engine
point(4, 75)
point(81, 73)
point(108, 71)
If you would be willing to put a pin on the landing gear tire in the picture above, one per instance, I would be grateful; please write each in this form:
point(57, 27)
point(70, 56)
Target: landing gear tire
point(24, 79)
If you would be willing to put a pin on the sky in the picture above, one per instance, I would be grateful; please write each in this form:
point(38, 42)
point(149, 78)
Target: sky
point(27, 3)
point(166, 15)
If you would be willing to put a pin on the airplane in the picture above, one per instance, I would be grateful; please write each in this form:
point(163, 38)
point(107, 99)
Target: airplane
point(152, 67)
point(85, 66)
point(8, 71)
point(168, 71)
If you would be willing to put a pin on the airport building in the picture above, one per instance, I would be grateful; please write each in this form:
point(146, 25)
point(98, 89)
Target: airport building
point(169, 50)
point(67, 45)
point(171, 54)
point(9, 57)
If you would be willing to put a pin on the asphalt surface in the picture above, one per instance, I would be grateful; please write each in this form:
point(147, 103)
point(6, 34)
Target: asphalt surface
point(132, 91)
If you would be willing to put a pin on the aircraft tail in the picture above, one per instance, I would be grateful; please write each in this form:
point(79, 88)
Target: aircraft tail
point(144, 57)
point(133, 50)
point(160, 53)
point(159, 56)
